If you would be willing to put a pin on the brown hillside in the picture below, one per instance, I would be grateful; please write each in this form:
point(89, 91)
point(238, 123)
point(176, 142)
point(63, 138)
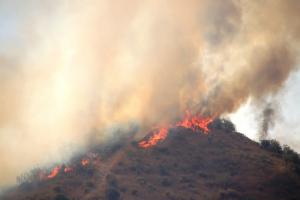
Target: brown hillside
point(186, 166)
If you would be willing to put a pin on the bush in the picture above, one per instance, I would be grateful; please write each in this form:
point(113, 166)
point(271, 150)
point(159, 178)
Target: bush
point(134, 192)
point(271, 145)
point(166, 183)
point(112, 181)
point(61, 197)
point(112, 194)
point(57, 189)
point(289, 155)
point(223, 124)
point(163, 171)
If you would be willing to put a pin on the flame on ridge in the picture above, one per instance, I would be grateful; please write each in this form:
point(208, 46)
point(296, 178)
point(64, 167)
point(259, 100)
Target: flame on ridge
point(68, 169)
point(157, 136)
point(194, 122)
point(54, 172)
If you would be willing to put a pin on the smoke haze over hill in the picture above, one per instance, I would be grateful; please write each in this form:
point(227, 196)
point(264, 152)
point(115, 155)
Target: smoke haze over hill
point(68, 67)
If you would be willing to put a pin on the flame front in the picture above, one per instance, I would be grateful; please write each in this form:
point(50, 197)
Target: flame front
point(90, 159)
point(157, 136)
point(194, 122)
point(54, 172)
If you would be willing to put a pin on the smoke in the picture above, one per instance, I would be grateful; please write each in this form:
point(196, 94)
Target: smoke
point(268, 117)
point(74, 66)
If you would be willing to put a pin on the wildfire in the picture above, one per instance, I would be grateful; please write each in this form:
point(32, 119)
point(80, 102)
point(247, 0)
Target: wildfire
point(194, 122)
point(157, 136)
point(85, 162)
point(67, 169)
point(54, 172)
point(90, 158)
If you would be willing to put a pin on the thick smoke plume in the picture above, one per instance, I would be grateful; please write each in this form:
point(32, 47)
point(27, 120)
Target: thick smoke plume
point(74, 66)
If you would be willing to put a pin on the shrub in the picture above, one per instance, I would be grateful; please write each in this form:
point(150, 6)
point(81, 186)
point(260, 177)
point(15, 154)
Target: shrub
point(163, 171)
point(112, 194)
point(134, 192)
point(223, 124)
point(289, 155)
point(134, 143)
point(57, 189)
point(61, 197)
point(271, 145)
point(166, 183)
point(90, 184)
point(112, 181)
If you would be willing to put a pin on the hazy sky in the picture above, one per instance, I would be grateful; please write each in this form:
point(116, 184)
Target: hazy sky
point(286, 128)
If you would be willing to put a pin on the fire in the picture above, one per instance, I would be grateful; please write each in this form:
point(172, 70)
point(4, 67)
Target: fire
point(90, 158)
point(54, 172)
point(85, 162)
point(157, 136)
point(194, 122)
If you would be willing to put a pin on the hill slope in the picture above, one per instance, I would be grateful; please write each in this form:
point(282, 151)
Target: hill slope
point(187, 165)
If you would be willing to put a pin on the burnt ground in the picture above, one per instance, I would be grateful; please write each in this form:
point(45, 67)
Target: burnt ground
point(186, 166)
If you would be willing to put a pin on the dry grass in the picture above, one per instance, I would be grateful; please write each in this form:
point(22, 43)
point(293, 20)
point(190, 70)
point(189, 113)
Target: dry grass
point(186, 165)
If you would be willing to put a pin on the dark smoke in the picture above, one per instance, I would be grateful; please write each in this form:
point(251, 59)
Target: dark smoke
point(268, 117)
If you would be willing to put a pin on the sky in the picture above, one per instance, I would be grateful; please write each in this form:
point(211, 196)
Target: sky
point(68, 68)
point(286, 127)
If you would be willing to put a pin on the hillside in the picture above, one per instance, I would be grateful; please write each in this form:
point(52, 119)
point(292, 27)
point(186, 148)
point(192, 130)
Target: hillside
point(187, 165)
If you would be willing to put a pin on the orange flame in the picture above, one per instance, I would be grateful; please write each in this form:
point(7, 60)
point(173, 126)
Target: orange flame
point(159, 135)
point(54, 172)
point(194, 122)
point(85, 162)
point(91, 158)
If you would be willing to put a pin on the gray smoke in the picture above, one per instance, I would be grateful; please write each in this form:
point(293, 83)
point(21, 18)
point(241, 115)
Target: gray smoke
point(268, 118)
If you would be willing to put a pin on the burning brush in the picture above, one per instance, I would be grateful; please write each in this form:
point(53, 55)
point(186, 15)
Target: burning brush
point(194, 122)
point(89, 159)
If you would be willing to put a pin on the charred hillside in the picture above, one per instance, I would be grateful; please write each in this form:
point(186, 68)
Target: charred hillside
point(187, 165)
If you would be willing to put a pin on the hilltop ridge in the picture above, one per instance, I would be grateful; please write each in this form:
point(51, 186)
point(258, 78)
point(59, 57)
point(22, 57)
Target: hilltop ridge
point(187, 165)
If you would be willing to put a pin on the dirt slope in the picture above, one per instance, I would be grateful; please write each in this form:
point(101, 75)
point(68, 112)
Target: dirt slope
point(186, 166)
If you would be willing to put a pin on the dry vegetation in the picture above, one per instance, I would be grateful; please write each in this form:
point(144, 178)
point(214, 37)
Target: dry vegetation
point(186, 166)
